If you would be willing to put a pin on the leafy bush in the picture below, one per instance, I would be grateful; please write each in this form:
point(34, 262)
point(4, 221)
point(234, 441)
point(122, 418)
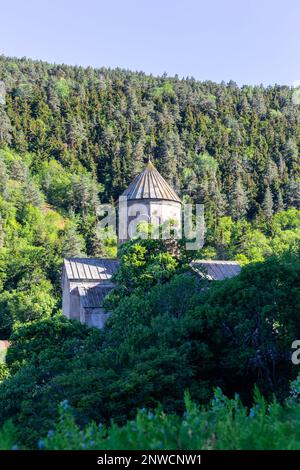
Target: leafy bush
point(145, 263)
point(4, 372)
point(224, 424)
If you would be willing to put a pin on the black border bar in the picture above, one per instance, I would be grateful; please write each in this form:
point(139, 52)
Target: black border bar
point(143, 459)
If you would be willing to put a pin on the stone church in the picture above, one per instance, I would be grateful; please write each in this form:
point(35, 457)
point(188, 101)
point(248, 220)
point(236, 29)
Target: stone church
point(86, 281)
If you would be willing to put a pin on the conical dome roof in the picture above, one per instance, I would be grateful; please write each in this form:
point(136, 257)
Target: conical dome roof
point(150, 185)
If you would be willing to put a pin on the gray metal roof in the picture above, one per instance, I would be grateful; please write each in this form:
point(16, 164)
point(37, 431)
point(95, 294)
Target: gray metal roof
point(216, 270)
point(150, 185)
point(102, 269)
point(90, 269)
point(92, 297)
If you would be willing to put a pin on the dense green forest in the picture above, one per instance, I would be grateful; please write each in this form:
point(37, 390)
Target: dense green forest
point(235, 149)
point(72, 138)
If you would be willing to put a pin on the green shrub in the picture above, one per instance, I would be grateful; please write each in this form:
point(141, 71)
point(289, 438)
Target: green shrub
point(4, 371)
point(223, 425)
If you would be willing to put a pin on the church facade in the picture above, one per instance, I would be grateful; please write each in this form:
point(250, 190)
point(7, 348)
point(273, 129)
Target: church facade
point(86, 281)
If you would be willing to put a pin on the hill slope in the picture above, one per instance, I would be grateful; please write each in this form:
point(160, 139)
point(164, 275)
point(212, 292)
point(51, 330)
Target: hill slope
point(232, 148)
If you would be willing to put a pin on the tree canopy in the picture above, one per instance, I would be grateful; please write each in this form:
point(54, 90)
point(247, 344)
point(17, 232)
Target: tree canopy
point(161, 339)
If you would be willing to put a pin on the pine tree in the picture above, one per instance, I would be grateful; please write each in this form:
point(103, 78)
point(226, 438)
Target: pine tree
point(294, 193)
point(271, 175)
point(166, 158)
point(84, 194)
point(244, 106)
point(2, 232)
point(139, 155)
point(290, 153)
point(238, 201)
point(279, 204)
point(5, 127)
point(96, 245)
point(32, 194)
point(3, 177)
point(267, 205)
point(19, 170)
point(72, 243)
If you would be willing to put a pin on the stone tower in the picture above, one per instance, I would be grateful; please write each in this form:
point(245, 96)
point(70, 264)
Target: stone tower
point(148, 198)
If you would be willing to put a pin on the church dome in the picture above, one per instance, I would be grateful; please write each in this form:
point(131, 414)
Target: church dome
point(150, 185)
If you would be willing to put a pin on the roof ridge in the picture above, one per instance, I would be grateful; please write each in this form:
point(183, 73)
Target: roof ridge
point(89, 257)
point(216, 261)
point(150, 184)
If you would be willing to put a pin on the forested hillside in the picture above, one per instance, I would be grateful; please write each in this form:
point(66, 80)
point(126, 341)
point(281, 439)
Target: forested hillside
point(35, 236)
point(236, 149)
point(233, 149)
point(71, 138)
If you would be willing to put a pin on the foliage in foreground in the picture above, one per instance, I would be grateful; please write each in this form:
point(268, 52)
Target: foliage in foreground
point(224, 424)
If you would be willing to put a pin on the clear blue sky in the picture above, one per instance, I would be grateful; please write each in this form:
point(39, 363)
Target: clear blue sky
point(249, 41)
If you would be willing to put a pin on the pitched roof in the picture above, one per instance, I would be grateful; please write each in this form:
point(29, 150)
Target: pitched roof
point(216, 270)
point(102, 269)
point(150, 185)
point(90, 269)
point(92, 297)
